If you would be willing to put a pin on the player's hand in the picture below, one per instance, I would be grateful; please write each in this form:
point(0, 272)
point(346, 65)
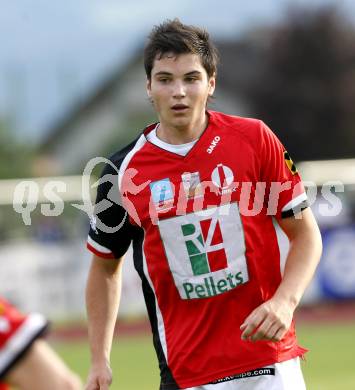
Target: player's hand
point(269, 321)
point(100, 377)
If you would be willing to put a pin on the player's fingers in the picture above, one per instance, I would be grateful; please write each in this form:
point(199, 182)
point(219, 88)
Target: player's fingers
point(105, 383)
point(250, 325)
point(269, 335)
point(92, 386)
point(101, 382)
point(243, 326)
point(275, 324)
point(262, 331)
point(253, 321)
point(248, 328)
point(279, 334)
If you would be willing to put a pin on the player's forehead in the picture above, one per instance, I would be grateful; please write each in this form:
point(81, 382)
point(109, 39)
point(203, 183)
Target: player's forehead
point(177, 64)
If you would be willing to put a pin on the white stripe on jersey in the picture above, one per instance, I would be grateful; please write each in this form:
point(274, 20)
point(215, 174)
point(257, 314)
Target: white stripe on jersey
point(161, 326)
point(97, 246)
point(21, 339)
point(294, 202)
point(139, 144)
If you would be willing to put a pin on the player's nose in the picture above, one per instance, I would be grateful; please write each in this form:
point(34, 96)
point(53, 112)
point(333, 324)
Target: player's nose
point(179, 89)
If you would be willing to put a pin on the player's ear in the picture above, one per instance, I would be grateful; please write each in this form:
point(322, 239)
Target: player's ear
point(211, 84)
point(148, 88)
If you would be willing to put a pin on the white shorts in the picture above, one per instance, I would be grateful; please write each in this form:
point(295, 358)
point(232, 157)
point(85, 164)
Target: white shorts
point(279, 376)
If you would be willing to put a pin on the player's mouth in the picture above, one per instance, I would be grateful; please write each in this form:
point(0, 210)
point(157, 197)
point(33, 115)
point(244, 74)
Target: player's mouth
point(179, 107)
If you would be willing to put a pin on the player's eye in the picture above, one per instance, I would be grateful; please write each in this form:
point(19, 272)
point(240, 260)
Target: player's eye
point(191, 79)
point(164, 80)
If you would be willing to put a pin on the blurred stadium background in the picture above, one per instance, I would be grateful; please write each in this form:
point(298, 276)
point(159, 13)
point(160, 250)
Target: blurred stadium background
point(69, 96)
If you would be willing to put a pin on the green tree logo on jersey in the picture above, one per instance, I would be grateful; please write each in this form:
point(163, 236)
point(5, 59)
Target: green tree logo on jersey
point(205, 251)
point(205, 246)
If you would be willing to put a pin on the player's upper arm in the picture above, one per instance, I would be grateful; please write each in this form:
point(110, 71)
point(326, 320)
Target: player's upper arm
point(302, 224)
point(285, 194)
point(108, 267)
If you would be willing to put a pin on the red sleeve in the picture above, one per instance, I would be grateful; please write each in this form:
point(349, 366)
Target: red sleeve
point(285, 194)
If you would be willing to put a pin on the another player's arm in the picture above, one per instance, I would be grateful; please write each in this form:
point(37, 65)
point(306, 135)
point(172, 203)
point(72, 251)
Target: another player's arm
point(272, 319)
point(41, 368)
point(103, 292)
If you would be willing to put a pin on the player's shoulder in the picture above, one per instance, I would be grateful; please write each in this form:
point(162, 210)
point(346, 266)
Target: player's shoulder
point(117, 157)
point(228, 119)
point(249, 128)
point(115, 160)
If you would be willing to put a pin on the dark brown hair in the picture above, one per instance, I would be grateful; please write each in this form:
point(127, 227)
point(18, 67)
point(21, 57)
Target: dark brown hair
point(174, 37)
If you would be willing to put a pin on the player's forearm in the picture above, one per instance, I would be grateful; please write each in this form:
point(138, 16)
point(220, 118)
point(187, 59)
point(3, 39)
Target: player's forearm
point(102, 299)
point(302, 260)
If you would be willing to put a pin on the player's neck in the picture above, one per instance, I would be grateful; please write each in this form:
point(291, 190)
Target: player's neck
point(177, 135)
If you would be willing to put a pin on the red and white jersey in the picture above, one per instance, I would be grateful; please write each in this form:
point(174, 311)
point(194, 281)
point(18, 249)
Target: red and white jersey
point(17, 333)
point(204, 242)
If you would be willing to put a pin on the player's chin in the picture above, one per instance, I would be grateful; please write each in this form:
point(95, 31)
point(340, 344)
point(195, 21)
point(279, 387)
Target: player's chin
point(182, 121)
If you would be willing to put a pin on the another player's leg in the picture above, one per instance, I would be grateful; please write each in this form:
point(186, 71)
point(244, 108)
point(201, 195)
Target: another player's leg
point(26, 361)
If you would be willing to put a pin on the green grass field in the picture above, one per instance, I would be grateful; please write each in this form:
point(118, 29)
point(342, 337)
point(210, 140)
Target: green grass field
point(330, 364)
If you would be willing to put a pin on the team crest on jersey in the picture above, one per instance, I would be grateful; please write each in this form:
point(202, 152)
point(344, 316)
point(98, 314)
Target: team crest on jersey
point(290, 164)
point(223, 178)
point(192, 184)
point(206, 251)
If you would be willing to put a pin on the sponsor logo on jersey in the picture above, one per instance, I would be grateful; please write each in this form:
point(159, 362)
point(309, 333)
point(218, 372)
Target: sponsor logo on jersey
point(290, 164)
point(213, 286)
point(204, 245)
point(213, 144)
point(223, 178)
point(192, 184)
point(205, 251)
point(247, 374)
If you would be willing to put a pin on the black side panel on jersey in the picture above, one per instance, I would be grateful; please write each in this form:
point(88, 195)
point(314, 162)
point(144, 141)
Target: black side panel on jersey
point(110, 213)
point(167, 379)
point(110, 225)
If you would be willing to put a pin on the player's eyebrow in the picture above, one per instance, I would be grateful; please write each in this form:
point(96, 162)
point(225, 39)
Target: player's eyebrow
point(165, 73)
point(193, 73)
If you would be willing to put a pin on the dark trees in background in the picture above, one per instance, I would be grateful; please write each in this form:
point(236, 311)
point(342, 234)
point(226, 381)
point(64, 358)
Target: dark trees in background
point(299, 77)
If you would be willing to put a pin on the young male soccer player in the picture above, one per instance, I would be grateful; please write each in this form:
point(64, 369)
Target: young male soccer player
point(199, 192)
point(26, 360)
